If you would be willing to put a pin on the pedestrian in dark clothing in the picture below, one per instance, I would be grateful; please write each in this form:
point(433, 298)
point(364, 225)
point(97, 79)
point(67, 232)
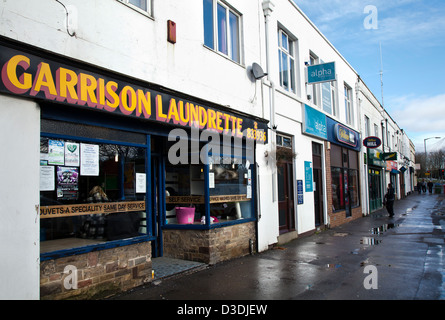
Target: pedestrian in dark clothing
point(430, 187)
point(423, 186)
point(419, 187)
point(389, 200)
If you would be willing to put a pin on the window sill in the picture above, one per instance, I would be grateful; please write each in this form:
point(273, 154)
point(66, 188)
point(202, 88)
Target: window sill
point(95, 245)
point(199, 226)
point(224, 56)
point(139, 10)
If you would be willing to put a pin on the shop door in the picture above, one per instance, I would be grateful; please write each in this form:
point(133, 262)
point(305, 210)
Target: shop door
point(347, 197)
point(318, 184)
point(285, 197)
point(158, 203)
point(375, 190)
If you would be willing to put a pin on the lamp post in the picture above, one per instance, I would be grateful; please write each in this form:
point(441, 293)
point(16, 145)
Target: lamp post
point(424, 143)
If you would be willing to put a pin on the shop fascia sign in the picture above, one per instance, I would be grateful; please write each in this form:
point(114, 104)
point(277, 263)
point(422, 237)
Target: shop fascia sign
point(46, 79)
point(315, 123)
point(345, 135)
point(323, 72)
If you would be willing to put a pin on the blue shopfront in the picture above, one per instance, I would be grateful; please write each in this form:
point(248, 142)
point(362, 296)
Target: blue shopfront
point(130, 171)
point(344, 149)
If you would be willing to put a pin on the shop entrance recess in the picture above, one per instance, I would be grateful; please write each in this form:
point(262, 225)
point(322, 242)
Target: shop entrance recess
point(375, 189)
point(318, 183)
point(285, 184)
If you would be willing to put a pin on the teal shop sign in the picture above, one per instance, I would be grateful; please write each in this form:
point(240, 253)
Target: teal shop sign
point(308, 176)
point(315, 122)
point(321, 73)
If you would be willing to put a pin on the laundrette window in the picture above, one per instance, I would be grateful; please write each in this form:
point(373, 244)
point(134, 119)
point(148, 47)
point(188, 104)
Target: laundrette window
point(228, 175)
point(90, 192)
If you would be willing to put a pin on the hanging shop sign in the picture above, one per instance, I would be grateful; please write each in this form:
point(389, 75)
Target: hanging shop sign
point(392, 166)
point(372, 142)
point(323, 72)
point(389, 156)
point(48, 79)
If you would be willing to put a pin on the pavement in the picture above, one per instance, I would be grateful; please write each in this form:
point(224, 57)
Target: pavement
point(371, 258)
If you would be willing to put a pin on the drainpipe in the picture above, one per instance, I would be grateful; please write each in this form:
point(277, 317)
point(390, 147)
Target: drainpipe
point(268, 7)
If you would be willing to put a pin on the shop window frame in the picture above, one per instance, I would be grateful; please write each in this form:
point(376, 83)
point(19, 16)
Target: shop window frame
point(113, 243)
point(208, 224)
point(346, 167)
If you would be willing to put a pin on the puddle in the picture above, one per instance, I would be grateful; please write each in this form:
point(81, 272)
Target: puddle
point(370, 241)
point(383, 228)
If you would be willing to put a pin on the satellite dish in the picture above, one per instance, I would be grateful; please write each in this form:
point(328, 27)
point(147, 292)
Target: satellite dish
point(257, 71)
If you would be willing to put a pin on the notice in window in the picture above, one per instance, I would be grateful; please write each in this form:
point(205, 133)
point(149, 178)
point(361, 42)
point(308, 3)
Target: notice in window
point(56, 152)
point(141, 182)
point(72, 154)
point(47, 178)
point(89, 159)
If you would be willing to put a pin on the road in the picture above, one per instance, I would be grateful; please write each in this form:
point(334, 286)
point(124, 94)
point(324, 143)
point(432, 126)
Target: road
point(372, 258)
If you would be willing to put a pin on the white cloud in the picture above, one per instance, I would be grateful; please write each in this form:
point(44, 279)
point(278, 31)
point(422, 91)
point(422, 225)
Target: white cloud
point(420, 117)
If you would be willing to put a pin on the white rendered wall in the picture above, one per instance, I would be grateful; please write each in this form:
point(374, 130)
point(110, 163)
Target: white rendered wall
point(19, 205)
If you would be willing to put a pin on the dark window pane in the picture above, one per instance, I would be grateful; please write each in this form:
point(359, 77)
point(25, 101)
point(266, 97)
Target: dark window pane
point(208, 23)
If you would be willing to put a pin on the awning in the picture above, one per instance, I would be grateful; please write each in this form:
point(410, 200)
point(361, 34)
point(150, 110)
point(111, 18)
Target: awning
point(394, 171)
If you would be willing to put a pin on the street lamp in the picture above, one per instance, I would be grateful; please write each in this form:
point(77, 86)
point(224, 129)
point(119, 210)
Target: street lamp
point(424, 143)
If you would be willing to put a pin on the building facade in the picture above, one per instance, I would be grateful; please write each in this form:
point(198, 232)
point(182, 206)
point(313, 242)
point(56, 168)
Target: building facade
point(202, 130)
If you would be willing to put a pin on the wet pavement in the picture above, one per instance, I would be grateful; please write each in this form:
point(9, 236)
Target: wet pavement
point(372, 258)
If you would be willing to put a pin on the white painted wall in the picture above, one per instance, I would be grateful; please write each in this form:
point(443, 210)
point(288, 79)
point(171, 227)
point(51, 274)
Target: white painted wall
point(289, 109)
point(19, 205)
point(113, 36)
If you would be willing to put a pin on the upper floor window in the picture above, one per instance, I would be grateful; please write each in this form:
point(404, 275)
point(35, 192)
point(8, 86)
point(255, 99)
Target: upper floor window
point(348, 105)
point(367, 128)
point(286, 61)
point(314, 89)
point(140, 5)
point(222, 29)
point(376, 130)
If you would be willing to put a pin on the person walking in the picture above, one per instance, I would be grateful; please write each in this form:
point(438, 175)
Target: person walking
point(419, 187)
point(389, 200)
point(430, 186)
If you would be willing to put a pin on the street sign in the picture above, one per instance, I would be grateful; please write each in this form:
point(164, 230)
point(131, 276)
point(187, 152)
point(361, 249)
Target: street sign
point(372, 142)
point(321, 73)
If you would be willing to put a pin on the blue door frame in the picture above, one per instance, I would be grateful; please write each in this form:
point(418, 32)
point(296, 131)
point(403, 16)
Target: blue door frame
point(158, 202)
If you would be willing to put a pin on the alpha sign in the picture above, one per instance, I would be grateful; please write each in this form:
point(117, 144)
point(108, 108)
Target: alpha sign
point(321, 73)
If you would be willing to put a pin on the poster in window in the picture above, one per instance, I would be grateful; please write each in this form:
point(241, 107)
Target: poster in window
point(89, 159)
point(72, 154)
point(56, 152)
point(67, 182)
